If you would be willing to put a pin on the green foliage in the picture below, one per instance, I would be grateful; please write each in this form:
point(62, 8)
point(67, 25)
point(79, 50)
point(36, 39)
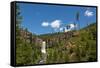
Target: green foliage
point(18, 20)
point(86, 44)
point(61, 47)
point(24, 54)
point(81, 48)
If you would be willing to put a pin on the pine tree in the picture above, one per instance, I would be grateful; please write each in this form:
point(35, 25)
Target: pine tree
point(23, 49)
point(77, 18)
point(18, 20)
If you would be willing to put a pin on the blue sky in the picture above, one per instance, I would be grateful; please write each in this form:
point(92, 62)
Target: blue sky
point(34, 15)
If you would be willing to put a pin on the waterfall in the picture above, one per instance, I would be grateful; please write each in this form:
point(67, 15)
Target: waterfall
point(43, 48)
point(43, 51)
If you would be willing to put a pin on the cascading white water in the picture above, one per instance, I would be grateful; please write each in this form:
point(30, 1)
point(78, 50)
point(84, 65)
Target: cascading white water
point(43, 48)
point(43, 51)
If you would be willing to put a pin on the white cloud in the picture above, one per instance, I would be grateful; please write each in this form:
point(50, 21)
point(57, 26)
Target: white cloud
point(45, 24)
point(66, 30)
point(56, 24)
point(61, 28)
point(72, 26)
point(88, 13)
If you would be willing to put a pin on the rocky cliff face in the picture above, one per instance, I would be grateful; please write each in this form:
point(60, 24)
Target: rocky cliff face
point(61, 47)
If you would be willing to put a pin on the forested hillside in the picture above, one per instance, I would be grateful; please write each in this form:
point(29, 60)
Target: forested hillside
point(61, 47)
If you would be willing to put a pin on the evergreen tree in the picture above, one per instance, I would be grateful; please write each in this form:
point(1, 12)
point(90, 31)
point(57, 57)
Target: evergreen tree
point(24, 52)
point(77, 18)
point(18, 20)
